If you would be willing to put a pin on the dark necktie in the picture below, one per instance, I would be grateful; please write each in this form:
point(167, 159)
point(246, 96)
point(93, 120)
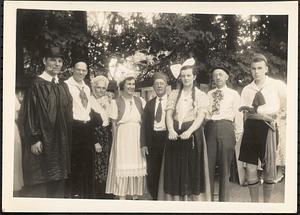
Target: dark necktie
point(158, 112)
point(258, 100)
point(217, 96)
point(83, 97)
point(53, 80)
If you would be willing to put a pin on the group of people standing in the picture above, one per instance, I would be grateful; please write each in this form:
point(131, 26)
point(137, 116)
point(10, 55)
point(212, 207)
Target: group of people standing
point(82, 143)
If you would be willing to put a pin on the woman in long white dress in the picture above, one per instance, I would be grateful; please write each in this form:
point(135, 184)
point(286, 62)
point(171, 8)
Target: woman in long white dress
point(18, 170)
point(127, 166)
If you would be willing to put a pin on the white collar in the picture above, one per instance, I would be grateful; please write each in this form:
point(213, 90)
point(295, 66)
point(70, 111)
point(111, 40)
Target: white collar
point(45, 75)
point(223, 88)
point(163, 98)
point(266, 82)
point(71, 81)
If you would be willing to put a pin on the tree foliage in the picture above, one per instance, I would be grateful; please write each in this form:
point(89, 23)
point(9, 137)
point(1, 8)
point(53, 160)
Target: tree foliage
point(157, 41)
point(211, 39)
point(39, 29)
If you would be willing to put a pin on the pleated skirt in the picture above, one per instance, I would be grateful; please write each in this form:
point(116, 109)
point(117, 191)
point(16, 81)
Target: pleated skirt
point(127, 167)
point(184, 172)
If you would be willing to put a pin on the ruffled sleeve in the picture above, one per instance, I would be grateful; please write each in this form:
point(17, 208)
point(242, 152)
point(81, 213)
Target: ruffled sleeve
point(172, 100)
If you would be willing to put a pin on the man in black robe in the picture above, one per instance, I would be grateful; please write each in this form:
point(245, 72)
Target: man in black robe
point(47, 127)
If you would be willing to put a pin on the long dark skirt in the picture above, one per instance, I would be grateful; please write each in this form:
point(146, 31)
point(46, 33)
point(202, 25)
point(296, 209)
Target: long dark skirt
point(184, 163)
point(104, 136)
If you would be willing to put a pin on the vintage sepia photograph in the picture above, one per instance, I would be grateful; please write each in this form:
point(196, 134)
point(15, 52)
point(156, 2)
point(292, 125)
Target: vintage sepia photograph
point(150, 107)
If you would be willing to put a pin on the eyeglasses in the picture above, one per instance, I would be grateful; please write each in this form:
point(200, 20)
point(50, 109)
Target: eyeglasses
point(100, 88)
point(159, 84)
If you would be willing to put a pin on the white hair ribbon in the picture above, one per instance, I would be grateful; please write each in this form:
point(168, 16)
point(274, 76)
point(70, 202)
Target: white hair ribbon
point(175, 68)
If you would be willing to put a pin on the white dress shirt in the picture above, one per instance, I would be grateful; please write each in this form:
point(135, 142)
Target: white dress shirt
point(79, 112)
point(161, 126)
point(48, 77)
point(273, 90)
point(229, 108)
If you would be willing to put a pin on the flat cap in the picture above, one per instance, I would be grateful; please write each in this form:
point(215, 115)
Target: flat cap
point(221, 68)
point(258, 57)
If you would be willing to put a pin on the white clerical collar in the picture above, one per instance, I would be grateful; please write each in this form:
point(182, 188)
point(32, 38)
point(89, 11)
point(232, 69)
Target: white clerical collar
point(45, 75)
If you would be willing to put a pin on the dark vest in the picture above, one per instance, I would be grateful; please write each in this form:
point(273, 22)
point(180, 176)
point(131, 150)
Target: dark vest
point(121, 106)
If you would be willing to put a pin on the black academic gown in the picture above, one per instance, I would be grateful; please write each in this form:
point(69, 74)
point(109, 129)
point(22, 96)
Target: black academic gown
point(47, 118)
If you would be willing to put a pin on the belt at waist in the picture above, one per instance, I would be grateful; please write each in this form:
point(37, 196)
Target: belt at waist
point(80, 122)
point(162, 131)
point(159, 134)
point(220, 120)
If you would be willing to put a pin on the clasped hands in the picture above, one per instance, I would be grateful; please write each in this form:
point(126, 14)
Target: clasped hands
point(248, 109)
point(184, 136)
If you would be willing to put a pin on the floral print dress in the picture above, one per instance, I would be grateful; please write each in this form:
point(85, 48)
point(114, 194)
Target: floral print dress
point(104, 137)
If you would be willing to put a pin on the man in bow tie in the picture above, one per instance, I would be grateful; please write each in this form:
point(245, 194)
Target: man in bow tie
point(81, 177)
point(154, 127)
point(223, 129)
